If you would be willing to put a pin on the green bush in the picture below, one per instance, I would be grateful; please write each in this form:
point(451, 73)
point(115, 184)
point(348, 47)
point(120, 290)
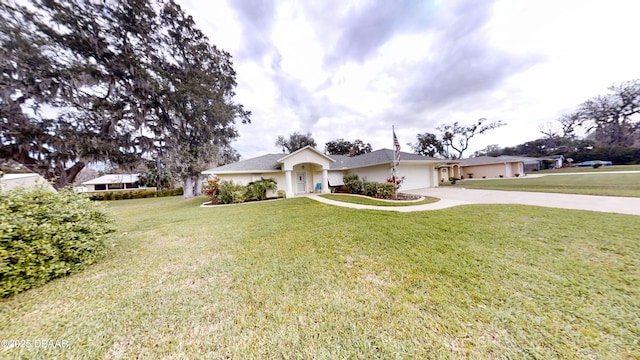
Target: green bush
point(134, 194)
point(45, 235)
point(230, 192)
point(170, 192)
point(257, 190)
point(379, 190)
point(353, 183)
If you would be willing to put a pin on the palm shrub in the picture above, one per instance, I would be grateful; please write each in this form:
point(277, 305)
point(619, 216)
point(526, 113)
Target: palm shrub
point(352, 183)
point(45, 235)
point(258, 189)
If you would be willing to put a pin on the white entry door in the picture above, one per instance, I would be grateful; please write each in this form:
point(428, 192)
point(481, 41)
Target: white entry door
point(301, 182)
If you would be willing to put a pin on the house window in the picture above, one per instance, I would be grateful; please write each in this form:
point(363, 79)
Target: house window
point(444, 170)
point(131, 185)
point(116, 186)
point(100, 187)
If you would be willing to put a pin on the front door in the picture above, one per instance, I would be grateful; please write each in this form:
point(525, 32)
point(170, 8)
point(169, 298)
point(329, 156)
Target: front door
point(301, 182)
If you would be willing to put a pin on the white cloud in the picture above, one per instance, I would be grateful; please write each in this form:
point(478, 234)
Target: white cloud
point(354, 70)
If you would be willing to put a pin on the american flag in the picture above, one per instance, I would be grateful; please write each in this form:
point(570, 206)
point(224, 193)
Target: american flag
point(396, 146)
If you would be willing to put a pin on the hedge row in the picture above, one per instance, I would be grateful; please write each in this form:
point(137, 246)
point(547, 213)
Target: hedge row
point(134, 194)
point(45, 235)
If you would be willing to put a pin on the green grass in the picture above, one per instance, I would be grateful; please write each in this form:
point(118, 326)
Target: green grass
point(587, 184)
point(363, 200)
point(588, 169)
point(299, 279)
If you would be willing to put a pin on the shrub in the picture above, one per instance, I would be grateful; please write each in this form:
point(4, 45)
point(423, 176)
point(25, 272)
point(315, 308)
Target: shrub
point(230, 193)
point(282, 194)
point(170, 192)
point(46, 235)
point(379, 190)
point(133, 194)
point(353, 183)
point(396, 180)
point(212, 190)
point(257, 190)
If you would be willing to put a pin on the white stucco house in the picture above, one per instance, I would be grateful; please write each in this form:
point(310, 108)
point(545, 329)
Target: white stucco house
point(112, 182)
point(308, 170)
point(26, 181)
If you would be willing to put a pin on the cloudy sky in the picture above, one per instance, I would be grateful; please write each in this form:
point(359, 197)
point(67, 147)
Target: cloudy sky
point(352, 69)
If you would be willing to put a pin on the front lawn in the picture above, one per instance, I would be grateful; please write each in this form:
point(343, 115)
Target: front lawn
point(301, 279)
point(587, 184)
point(587, 169)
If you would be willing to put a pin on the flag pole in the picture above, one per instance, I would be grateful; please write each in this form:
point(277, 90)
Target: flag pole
point(393, 175)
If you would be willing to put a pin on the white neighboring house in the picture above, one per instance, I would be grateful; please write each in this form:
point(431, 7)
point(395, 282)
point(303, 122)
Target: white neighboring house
point(308, 170)
point(112, 182)
point(27, 181)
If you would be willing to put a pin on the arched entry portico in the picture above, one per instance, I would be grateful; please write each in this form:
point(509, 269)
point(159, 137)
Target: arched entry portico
point(304, 169)
point(449, 170)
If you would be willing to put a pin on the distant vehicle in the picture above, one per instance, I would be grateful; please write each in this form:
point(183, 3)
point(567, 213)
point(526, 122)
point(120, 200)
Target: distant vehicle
point(594, 163)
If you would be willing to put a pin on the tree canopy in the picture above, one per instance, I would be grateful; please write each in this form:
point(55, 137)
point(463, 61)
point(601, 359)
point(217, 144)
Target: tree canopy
point(348, 148)
point(295, 142)
point(451, 136)
point(457, 137)
point(429, 144)
point(613, 119)
point(87, 81)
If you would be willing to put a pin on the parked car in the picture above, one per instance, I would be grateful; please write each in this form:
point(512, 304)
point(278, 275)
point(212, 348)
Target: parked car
point(594, 163)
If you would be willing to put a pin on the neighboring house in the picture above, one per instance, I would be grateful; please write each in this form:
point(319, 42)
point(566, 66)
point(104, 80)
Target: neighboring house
point(449, 169)
point(555, 161)
point(309, 170)
point(27, 181)
point(491, 167)
point(111, 182)
point(529, 163)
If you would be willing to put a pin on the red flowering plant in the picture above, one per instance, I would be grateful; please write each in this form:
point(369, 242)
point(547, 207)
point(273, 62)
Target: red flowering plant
point(397, 180)
point(212, 190)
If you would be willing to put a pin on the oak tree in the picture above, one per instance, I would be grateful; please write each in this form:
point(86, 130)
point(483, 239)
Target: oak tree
point(87, 81)
point(296, 141)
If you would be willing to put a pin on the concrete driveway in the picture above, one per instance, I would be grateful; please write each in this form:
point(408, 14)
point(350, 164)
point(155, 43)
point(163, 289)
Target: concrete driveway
point(611, 204)
point(454, 196)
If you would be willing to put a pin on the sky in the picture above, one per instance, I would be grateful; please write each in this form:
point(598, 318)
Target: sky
point(354, 69)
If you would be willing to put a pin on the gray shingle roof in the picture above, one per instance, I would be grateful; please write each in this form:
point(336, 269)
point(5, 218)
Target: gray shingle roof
point(382, 156)
point(258, 164)
point(269, 162)
point(487, 160)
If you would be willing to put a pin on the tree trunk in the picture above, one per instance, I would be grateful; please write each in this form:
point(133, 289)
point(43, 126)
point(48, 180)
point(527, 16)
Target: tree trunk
point(187, 187)
point(197, 185)
point(68, 176)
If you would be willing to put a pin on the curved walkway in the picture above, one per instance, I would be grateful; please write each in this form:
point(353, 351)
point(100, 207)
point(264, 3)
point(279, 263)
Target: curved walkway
point(450, 197)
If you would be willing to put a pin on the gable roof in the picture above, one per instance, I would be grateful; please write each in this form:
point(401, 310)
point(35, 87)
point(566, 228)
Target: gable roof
point(272, 162)
point(113, 179)
point(306, 148)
